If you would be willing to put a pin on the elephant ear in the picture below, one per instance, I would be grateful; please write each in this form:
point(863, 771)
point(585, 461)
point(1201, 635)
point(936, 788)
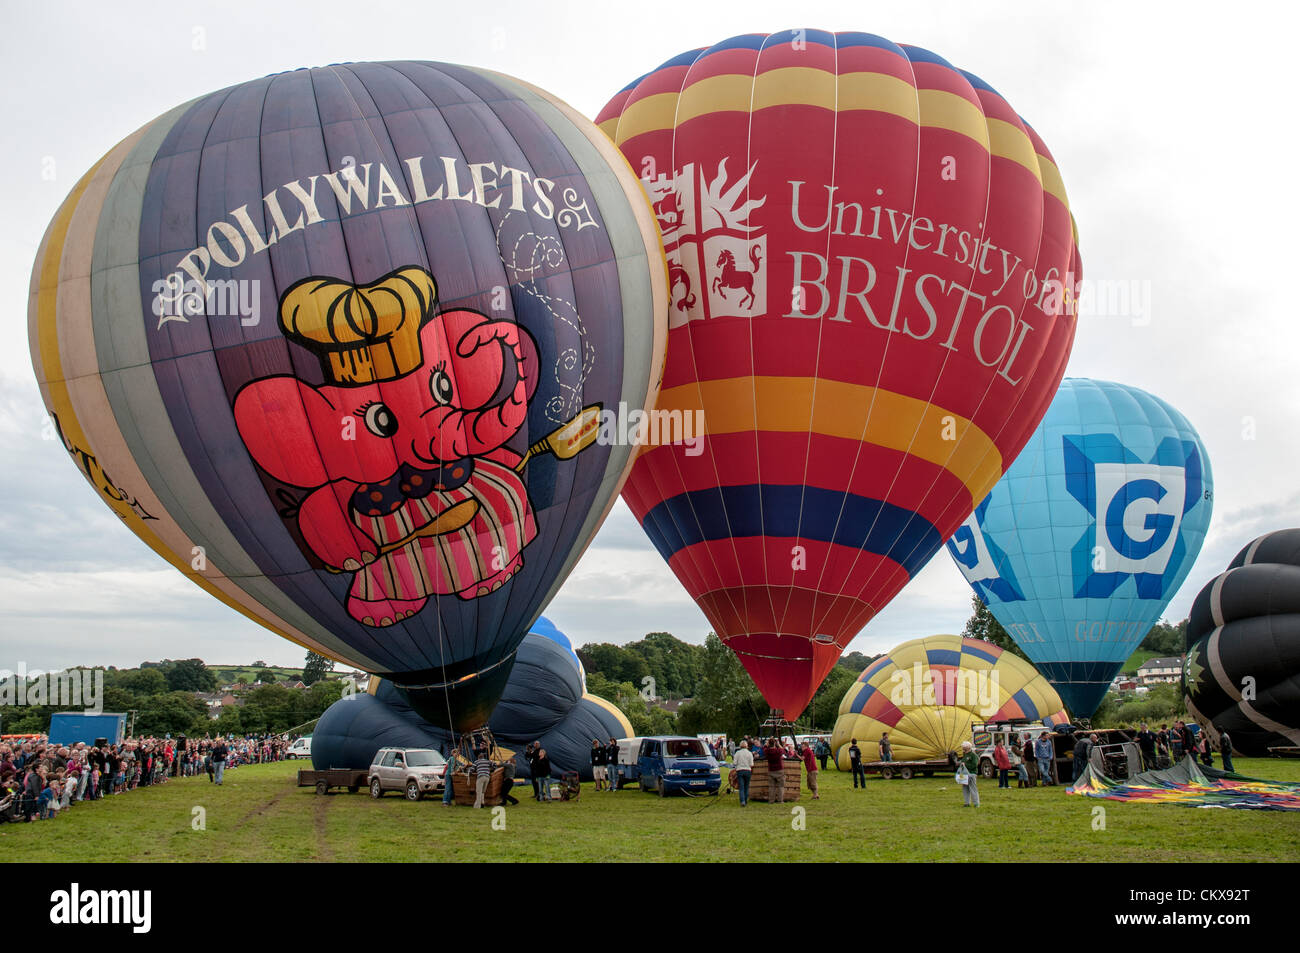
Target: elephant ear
point(275, 414)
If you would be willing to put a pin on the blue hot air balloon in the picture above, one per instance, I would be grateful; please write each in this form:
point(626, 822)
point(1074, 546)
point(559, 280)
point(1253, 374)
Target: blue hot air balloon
point(1080, 546)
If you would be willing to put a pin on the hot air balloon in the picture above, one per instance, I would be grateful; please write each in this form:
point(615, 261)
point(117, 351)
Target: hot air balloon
point(1082, 544)
point(871, 258)
point(927, 693)
point(1242, 670)
point(545, 700)
point(335, 342)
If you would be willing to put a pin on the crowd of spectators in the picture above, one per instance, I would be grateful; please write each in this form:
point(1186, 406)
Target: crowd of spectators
point(39, 780)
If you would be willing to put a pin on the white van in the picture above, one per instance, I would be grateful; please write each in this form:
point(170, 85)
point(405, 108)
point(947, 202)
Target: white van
point(299, 749)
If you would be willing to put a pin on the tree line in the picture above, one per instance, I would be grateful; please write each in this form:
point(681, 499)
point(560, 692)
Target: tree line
point(163, 696)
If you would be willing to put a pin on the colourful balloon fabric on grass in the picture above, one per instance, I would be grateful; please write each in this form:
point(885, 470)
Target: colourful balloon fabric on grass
point(332, 342)
point(872, 259)
point(928, 693)
point(1082, 544)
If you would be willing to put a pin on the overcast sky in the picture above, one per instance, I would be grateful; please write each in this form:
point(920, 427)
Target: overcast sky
point(1173, 128)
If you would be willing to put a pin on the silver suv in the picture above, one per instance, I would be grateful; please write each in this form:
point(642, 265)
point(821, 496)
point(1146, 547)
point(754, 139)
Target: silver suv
point(417, 771)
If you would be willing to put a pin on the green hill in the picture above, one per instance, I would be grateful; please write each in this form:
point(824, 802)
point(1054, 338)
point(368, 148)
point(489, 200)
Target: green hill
point(1136, 659)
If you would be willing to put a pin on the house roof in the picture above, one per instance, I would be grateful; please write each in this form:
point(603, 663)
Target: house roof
point(1161, 663)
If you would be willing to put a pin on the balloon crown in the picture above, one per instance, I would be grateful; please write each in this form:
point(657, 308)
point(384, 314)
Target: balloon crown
point(361, 333)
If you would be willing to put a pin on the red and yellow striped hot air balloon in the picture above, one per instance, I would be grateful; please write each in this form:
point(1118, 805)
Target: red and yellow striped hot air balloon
point(872, 260)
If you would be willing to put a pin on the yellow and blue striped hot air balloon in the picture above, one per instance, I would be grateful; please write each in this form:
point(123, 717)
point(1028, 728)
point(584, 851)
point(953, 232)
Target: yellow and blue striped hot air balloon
point(928, 693)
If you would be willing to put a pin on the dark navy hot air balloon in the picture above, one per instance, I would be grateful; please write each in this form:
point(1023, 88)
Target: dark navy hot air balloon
point(335, 342)
point(1242, 672)
point(1087, 537)
point(545, 700)
point(871, 256)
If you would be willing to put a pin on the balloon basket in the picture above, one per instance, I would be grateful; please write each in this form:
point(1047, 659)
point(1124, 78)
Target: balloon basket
point(463, 783)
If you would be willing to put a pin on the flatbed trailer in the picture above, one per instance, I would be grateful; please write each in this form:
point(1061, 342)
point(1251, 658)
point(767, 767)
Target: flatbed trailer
point(354, 779)
point(909, 769)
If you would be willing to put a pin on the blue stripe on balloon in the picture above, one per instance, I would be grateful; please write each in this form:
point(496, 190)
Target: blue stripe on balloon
point(987, 655)
point(1027, 706)
point(920, 55)
point(943, 657)
point(813, 513)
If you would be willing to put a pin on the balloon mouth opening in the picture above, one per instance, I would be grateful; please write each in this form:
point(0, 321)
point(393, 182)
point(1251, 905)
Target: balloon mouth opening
point(464, 681)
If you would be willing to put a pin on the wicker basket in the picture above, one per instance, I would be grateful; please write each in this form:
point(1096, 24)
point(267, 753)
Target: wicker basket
point(464, 791)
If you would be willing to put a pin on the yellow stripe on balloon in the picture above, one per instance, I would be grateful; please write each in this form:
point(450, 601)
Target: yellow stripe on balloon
point(847, 411)
point(609, 127)
point(646, 115)
point(879, 92)
point(803, 85)
point(1053, 184)
point(731, 92)
point(944, 110)
point(1010, 142)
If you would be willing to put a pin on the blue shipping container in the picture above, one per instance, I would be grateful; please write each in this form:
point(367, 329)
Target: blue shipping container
point(70, 727)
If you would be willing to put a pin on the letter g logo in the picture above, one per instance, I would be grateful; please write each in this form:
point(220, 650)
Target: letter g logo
point(1161, 525)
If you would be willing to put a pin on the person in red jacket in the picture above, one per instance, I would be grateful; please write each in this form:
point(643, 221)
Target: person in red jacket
point(810, 765)
point(775, 773)
point(1003, 761)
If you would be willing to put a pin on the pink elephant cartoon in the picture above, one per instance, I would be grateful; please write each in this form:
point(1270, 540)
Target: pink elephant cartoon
point(402, 452)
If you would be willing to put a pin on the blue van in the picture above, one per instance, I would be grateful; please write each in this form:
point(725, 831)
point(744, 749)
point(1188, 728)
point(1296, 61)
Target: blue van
point(667, 764)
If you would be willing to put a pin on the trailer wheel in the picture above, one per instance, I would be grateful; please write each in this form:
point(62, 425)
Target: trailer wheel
point(905, 773)
point(886, 773)
point(322, 786)
point(376, 789)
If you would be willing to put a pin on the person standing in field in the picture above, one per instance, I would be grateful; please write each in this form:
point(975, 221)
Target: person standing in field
point(886, 749)
point(1027, 755)
point(1225, 748)
point(1002, 759)
point(1045, 753)
point(598, 764)
point(855, 764)
point(810, 764)
point(744, 762)
point(543, 768)
point(1146, 739)
point(970, 795)
point(775, 773)
point(611, 764)
point(482, 774)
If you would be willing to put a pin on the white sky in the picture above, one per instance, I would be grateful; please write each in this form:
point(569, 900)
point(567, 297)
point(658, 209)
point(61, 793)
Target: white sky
point(1173, 128)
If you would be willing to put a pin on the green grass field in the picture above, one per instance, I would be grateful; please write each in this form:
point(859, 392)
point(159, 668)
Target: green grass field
point(1136, 659)
point(228, 674)
point(260, 814)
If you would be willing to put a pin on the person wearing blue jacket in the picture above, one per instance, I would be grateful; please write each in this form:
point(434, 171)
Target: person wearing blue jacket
point(1044, 754)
